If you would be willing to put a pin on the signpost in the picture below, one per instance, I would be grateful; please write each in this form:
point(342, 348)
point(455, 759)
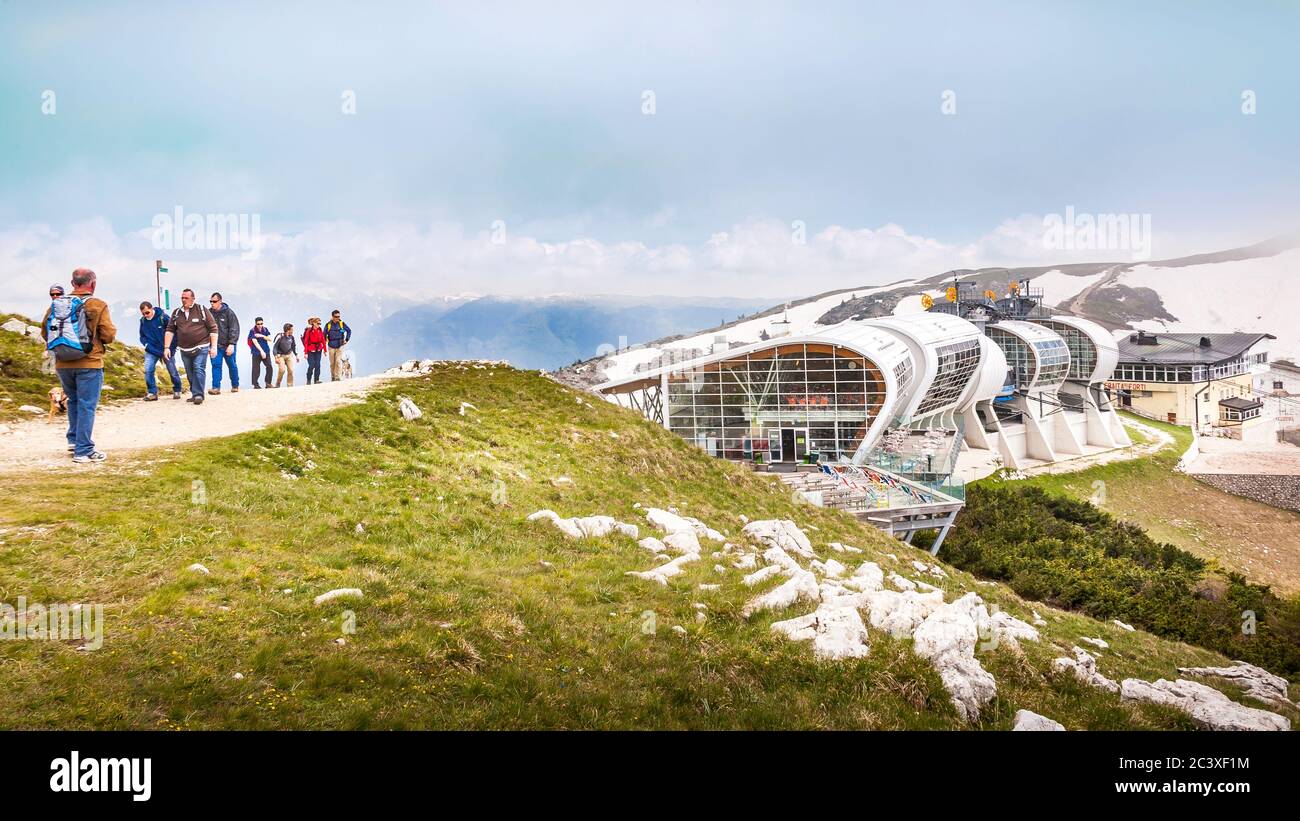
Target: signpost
point(158, 271)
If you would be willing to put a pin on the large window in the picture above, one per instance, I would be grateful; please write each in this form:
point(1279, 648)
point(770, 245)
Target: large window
point(728, 407)
point(957, 365)
point(1083, 352)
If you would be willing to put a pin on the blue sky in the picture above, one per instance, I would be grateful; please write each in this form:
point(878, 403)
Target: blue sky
point(765, 113)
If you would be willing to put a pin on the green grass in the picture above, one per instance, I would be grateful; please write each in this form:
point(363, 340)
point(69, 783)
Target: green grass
point(22, 383)
point(472, 617)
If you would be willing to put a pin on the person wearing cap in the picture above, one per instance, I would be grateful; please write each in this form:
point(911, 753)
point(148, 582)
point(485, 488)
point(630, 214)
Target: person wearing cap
point(82, 379)
point(313, 344)
point(153, 332)
point(47, 359)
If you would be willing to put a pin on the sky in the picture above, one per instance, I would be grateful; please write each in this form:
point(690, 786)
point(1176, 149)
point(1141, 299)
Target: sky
point(722, 149)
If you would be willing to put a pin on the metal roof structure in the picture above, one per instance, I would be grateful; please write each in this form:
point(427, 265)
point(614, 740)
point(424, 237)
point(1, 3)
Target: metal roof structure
point(1186, 349)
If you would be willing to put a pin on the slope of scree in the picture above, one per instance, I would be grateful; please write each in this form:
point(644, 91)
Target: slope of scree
point(376, 567)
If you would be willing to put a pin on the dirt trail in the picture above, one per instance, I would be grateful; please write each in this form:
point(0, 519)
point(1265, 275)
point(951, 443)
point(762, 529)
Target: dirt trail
point(139, 427)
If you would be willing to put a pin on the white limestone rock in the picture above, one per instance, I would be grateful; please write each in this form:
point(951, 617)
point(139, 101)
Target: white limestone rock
point(761, 575)
point(899, 614)
point(653, 545)
point(836, 632)
point(747, 562)
point(1256, 681)
point(868, 576)
point(783, 560)
point(671, 522)
point(16, 326)
point(683, 542)
point(1011, 629)
point(830, 568)
point(1121, 625)
point(666, 571)
point(1084, 667)
point(198, 568)
point(1098, 643)
point(947, 638)
point(781, 533)
point(340, 593)
point(586, 526)
point(1208, 707)
point(901, 582)
point(801, 586)
point(1029, 721)
point(409, 410)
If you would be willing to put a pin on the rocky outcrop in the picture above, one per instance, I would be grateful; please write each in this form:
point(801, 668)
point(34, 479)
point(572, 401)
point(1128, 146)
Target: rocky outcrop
point(670, 523)
point(1029, 721)
point(586, 526)
point(1208, 707)
point(801, 586)
point(781, 533)
point(947, 638)
point(1084, 667)
point(837, 632)
point(1256, 681)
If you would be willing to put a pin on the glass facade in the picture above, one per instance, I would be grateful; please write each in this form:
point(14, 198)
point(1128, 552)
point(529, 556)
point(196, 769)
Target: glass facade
point(1145, 372)
point(784, 403)
point(1083, 352)
point(1046, 370)
point(957, 365)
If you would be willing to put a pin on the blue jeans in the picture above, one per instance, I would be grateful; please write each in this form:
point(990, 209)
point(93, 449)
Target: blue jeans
point(82, 386)
point(196, 368)
point(229, 359)
point(313, 366)
point(150, 363)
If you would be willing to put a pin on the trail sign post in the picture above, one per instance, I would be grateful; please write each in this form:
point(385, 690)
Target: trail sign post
point(158, 271)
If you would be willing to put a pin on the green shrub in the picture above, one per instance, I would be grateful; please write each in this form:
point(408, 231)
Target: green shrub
point(1072, 555)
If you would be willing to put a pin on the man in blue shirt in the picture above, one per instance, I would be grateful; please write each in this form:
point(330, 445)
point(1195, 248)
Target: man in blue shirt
point(153, 329)
point(337, 335)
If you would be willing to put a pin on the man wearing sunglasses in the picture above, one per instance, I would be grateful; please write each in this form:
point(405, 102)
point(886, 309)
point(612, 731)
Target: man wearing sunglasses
point(195, 332)
point(227, 337)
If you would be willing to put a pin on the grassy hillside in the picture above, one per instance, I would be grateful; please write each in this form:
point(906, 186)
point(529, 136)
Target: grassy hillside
point(22, 383)
point(472, 616)
point(1240, 535)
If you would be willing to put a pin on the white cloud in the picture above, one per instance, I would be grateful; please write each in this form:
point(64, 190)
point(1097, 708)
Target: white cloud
point(333, 259)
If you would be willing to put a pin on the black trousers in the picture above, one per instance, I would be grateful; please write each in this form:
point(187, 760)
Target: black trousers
point(259, 364)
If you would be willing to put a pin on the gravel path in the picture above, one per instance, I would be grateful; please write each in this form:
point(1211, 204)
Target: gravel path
point(137, 428)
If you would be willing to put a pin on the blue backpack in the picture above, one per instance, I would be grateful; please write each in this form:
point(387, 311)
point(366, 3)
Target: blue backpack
point(67, 332)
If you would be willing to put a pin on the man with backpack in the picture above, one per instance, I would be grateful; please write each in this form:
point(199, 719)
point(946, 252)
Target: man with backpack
point(338, 334)
point(77, 328)
point(286, 354)
point(195, 333)
point(259, 341)
point(227, 334)
point(153, 330)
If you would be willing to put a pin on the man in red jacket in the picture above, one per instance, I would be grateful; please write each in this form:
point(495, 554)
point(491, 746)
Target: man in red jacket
point(313, 344)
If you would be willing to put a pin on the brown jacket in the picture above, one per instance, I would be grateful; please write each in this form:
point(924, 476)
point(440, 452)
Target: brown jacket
point(193, 328)
point(100, 326)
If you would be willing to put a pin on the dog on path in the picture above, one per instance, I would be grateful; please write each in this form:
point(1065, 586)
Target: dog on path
point(58, 402)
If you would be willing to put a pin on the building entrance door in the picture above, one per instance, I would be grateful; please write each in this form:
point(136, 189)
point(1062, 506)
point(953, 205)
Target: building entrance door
point(774, 452)
point(788, 445)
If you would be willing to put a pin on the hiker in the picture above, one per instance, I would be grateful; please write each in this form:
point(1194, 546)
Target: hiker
point(77, 328)
point(195, 333)
point(285, 347)
point(313, 343)
point(259, 342)
point(47, 358)
point(338, 335)
point(153, 330)
point(227, 333)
